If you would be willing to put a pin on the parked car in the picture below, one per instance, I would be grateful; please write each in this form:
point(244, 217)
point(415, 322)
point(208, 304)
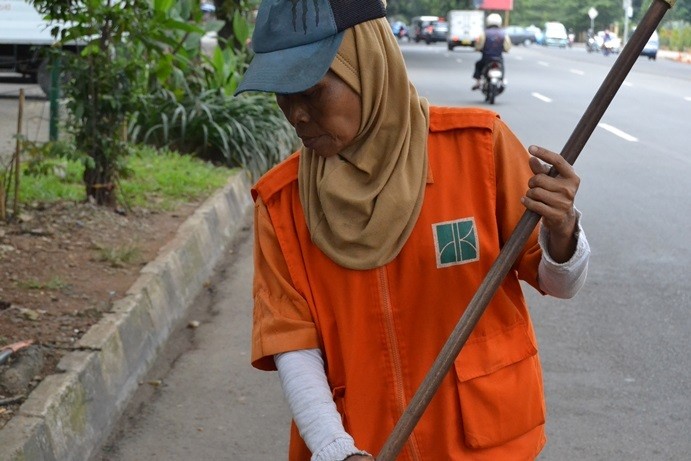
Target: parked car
point(537, 32)
point(520, 35)
point(418, 25)
point(651, 47)
point(555, 35)
point(438, 31)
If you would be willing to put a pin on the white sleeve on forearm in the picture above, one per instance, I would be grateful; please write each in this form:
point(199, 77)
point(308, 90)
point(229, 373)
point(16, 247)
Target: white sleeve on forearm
point(563, 280)
point(309, 397)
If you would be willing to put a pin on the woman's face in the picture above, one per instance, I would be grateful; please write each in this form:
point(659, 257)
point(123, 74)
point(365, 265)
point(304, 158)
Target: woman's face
point(325, 116)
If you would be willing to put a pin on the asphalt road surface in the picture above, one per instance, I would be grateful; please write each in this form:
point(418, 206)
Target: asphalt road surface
point(616, 358)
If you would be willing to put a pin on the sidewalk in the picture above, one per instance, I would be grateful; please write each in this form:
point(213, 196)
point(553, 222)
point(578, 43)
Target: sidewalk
point(207, 403)
point(69, 415)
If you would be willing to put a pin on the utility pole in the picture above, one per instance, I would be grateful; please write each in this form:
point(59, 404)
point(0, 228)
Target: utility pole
point(628, 13)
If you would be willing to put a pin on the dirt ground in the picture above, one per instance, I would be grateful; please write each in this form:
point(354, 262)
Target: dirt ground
point(61, 267)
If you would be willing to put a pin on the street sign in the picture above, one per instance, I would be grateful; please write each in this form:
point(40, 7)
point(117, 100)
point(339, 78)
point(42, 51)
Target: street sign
point(592, 13)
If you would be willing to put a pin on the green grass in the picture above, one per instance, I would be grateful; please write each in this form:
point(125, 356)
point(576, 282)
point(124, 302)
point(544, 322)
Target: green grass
point(53, 284)
point(119, 257)
point(60, 181)
point(166, 178)
point(158, 180)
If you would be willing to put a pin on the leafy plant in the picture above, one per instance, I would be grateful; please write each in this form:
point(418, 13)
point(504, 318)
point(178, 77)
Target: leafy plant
point(676, 37)
point(106, 74)
point(248, 132)
point(235, 14)
point(195, 112)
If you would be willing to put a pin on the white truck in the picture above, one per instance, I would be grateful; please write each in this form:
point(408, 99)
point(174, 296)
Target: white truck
point(465, 26)
point(24, 36)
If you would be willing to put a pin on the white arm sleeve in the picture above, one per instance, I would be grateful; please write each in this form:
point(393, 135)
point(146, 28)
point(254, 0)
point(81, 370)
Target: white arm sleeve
point(564, 280)
point(309, 397)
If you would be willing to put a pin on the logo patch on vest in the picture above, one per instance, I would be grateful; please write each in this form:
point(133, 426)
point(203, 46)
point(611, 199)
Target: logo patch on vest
point(456, 242)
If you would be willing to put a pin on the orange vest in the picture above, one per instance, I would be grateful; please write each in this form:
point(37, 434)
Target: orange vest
point(380, 330)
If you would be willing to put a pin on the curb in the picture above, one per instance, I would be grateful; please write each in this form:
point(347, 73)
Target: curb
point(71, 414)
point(678, 56)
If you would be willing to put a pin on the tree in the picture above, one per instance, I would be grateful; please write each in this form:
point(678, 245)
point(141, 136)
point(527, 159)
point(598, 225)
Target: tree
point(574, 13)
point(227, 10)
point(110, 71)
point(680, 12)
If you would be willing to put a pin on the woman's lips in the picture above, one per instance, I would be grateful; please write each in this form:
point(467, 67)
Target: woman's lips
point(309, 141)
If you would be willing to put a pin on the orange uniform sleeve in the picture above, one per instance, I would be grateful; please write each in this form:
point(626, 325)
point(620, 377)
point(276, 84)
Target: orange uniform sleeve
point(282, 319)
point(512, 175)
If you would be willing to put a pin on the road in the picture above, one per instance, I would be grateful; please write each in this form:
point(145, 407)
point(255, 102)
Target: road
point(616, 358)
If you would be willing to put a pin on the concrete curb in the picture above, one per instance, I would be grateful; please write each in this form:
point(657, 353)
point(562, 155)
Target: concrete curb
point(679, 56)
point(70, 414)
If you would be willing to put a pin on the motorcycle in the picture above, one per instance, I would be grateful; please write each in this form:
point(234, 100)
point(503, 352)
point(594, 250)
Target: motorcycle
point(591, 44)
point(492, 80)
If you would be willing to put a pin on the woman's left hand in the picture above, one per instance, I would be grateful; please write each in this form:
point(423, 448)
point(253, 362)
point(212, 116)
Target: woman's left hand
point(553, 199)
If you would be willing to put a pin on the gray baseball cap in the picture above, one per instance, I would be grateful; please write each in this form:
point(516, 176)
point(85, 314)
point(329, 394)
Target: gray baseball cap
point(295, 41)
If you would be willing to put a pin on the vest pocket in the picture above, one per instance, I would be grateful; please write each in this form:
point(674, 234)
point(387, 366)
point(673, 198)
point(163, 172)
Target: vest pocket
point(502, 401)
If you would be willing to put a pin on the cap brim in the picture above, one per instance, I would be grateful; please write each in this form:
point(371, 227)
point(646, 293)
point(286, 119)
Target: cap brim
point(291, 70)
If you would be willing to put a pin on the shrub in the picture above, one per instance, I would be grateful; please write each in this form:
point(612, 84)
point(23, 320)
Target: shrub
point(193, 110)
point(248, 131)
point(104, 83)
point(676, 36)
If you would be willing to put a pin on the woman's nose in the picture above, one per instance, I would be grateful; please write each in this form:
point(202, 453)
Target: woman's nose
point(294, 110)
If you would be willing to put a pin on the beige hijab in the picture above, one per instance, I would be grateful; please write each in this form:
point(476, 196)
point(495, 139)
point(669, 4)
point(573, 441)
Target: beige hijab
point(361, 205)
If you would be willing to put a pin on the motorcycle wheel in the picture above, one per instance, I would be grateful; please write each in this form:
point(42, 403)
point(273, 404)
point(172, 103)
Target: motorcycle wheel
point(491, 94)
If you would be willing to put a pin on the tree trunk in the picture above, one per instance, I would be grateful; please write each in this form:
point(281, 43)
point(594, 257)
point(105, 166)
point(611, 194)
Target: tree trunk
point(100, 186)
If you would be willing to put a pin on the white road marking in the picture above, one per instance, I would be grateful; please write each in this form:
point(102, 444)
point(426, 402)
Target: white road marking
point(627, 83)
point(577, 72)
point(541, 97)
point(688, 98)
point(543, 63)
point(459, 60)
point(618, 132)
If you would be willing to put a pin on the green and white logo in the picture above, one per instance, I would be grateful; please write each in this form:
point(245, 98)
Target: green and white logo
point(456, 242)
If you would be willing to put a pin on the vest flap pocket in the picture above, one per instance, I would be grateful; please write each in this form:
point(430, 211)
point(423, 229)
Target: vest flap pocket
point(486, 354)
point(502, 398)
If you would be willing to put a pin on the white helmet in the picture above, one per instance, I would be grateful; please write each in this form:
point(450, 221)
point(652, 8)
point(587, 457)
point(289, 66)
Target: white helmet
point(494, 20)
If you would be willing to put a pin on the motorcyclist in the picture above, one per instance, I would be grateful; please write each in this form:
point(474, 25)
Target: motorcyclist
point(606, 45)
point(493, 42)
